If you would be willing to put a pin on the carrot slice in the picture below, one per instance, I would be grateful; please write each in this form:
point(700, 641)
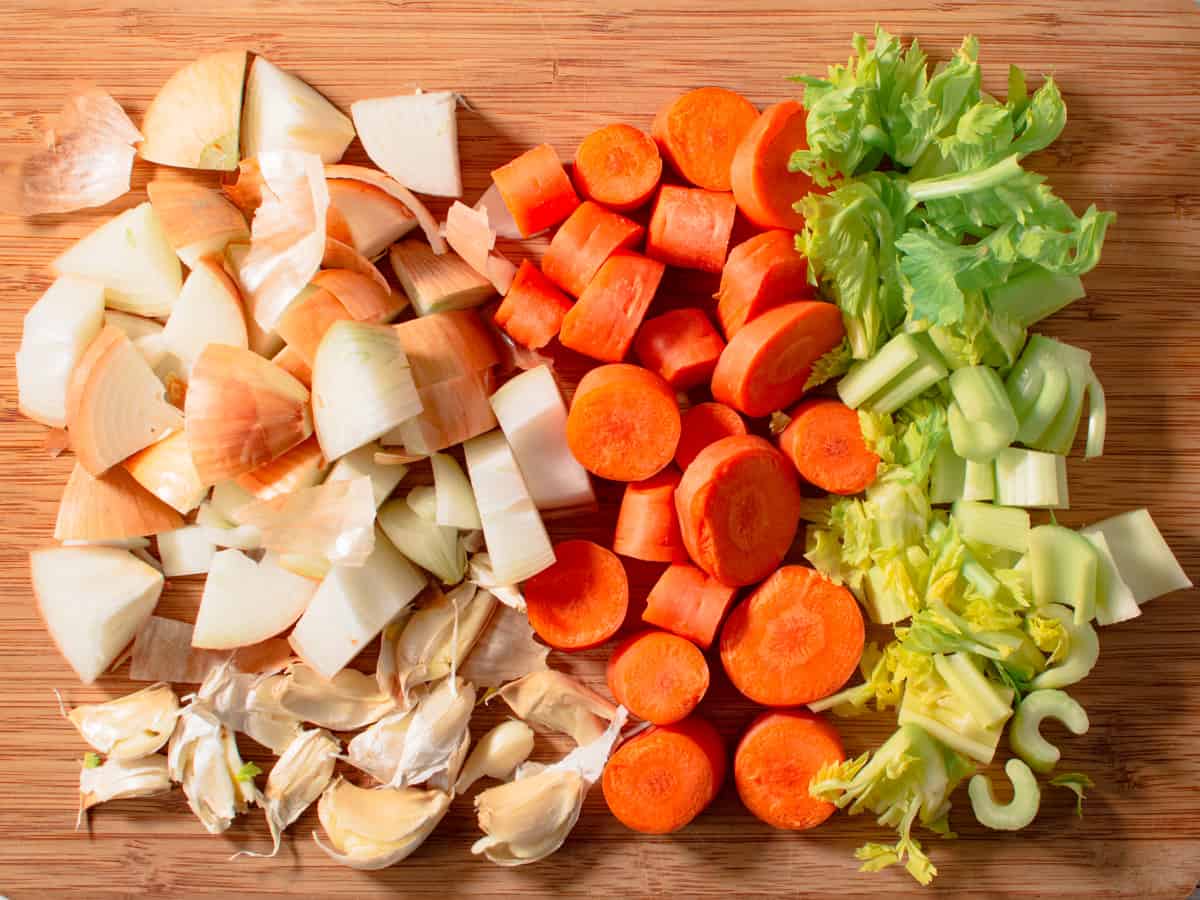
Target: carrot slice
point(699, 134)
point(704, 424)
point(776, 759)
point(825, 442)
point(619, 166)
point(764, 188)
point(536, 189)
point(766, 364)
point(681, 345)
point(611, 308)
point(739, 505)
point(624, 423)
point(690, 228)
point(657, 676)
point(761, 273)
point(796, 639)
point(687, 602)
point(580, 601)
point(660, 780)
point(533, 309)
point(647, 525)
point(580, 247)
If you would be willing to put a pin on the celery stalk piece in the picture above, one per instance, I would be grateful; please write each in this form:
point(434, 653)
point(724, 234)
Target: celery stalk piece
point(981, 417)
point(1060, 436)
point(947, 479)
point(913, 381)
point(1097, 417)
point(1034, 295)
point(984, 699)
point(1008, 339)
point(869, 377)
point(979, 482)
point(934, 706)
point(1025, 733)
point(1083, 649)
point(1065, 569)
point(1005, 527)
point(1114, 600)
point(1144, 561)
point(1046, 404)
point(1025, 389)
point(884, 602)
point(980, 578)
point(1030, 478)
point(1019, 812)
point(1060, 471)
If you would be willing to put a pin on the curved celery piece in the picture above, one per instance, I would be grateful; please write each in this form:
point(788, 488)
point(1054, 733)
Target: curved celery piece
point(1015, 814)
point(1046, 354)
point(1025, 735)
point(1045, 406)
point(1097, 417)
point(1082, 653)
point(981, 417)
point(1065, 568)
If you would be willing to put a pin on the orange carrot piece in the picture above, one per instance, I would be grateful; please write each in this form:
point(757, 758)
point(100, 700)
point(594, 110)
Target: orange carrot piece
point(660, 780)
point(690, 228)
point(533, 309)
point(580, 601)
point(825, 442)
point(618, 166)
point(681, 345)
point(797, 638)
point(764, 188)
point(657, 676)
point(536, 190)
point(647, 525)
point(764, 272)
point(766, 364)
point(624, 423)
point(687, 602)
point(699, 134)
point(305, 322)
point(584, 242)
point(739, 505)
point(611, 308)
point(704, 424)
point(776, 759)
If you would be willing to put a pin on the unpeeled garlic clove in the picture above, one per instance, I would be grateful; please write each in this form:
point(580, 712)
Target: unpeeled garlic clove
point(347, 702)
point(204, 758)
point(129, 727)
point(505, 650)
point(557, 701)
point(248, 704)
point(497, 754)
point(119, 779)
point(377, 828)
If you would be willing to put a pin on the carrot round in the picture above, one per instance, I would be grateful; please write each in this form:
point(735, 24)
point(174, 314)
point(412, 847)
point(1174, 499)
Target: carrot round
point(584, 242)
point(704, 424)
point(619, 166)
point(533, 309)
point(647, 525)
point(581, 600)
point(761, 273)
point(660, 780)
point(607, 315)
point(776, 760)
point(739, 505)
point(690, 228)
point(657, 676)
point(699, 134)
point(766, 364)
point(825, 442)
point(681, 345)
point(624, 423)
point(536, 189)
point(765, 190)
point(797, 638)
point(687, 602)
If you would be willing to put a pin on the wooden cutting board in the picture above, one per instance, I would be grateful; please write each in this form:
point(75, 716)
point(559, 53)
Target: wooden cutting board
point(535, 72)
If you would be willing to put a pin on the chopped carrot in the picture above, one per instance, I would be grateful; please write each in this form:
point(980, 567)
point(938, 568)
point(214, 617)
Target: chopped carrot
point(660, 780)
point(657, 676)
point(765, 365)
point(611, 308)
point(825, 442)
point(533, 309)
point(647, 525)
point(536, 190)
point(687, 602)
point(624, 423)
point(739, 505)
point(797, 638)
point(306, 320)
point(699, 134)
point(618, 166)
point(690, 228)
point(765, 190)
point(580, 247)
point(681, 345)
point(776, 760)
point(704, 424)
point(580, 601)
point(764, 272)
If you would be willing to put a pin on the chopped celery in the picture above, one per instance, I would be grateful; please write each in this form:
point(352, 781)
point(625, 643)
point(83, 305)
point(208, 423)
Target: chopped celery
point(1065, 568)
point(982, 421)
point(1083, 649)
point(1143, 559)
point(980, 578)
point(980, 481)
point(1030, 478)
point(1039, 411)
point(885, 593)
point(1060, 436)
point(913, 381)
point(1007, 338)
point(1097, 417)
point(1020, 811)
point(934, 706)
point(1114, 600)
point(985, 699)
point(1025, 389)
point(1034, 295)
point(1025, 735)
point(997, 526)
point(947, 476)
point(902, 369)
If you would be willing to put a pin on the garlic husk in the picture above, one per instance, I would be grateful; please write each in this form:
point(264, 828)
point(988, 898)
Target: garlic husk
point(558, 702)
point(497, 754)
point(121, 779)
point(374, 829)
point(204, 759)
point(505, 650)
point(348, 701)
point(162, 651)
point(479, 571)
point(129, 727)
point(248, 703)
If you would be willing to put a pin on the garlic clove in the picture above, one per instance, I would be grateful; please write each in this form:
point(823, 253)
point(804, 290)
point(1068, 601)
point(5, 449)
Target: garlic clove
point(129, 727)
point(347, 702)
point(203, 757)
point(120, 779)
point(248, 703)
point(374, 829)
point(497, 754)
point(505, 650)
point(558, 702)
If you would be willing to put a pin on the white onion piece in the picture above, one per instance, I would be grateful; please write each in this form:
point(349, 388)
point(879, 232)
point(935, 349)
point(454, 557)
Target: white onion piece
point(499, 217)
point(431, 546)
point(455, 500)
point(146, 334)
point(361, 462)
point(194, 119)
point(186, 551)
point(281, 112)
point(414, 138)
point(369, 176)
point(245, 602)
point(208, 311)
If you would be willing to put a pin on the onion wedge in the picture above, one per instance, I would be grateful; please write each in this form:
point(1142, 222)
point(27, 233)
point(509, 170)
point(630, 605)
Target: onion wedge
point(166, 470)
point(245, 602)
point(186, 551)
point(208, 311)
point(360, 462)
point(335, 521)
point(299, 468)
point(197, 220)
point(367, 297)
point(193, 121)
point(281, 112)
point(245, 191)
point(468, 233)
point(414, 138)
point(373, 219)
point(435, 283)
point(394, 188)
point(376, 828)
point(110, 507)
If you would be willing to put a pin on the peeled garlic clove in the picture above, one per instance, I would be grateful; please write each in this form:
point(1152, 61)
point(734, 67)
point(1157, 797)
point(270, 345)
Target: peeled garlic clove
point(119, 779)
point(347, 702)
point(497, 754)
point(203, 757)
point(557, 701)
point(130, 727)
point(374, 829)
point(505, 650)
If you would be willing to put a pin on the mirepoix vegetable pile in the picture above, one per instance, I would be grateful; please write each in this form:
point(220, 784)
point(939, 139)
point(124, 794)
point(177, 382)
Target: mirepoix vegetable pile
point(353, 462)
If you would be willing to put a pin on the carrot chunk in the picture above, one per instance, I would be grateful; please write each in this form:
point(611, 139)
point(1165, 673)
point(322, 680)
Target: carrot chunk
point(797, 638)
point(687, 602)
point(584, 242)
point(533, 309)
point(619, 166)
point(611, 308)
point(536, 189)
point(739, 505)
point(690, 228)
point(704, 424)
point(580, 601)
point(658, 676)
point(681, 345)
point(647, 524)
point(761, 273)
point(766, 191)
point(825, 442)
point(699, 134)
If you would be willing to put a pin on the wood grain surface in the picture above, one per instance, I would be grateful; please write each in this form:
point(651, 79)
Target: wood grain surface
point(553, 72)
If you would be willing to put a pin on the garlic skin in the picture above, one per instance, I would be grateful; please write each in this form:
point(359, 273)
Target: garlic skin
point(505, 650)
point(129, 727)
point(347, 702)
point(558, 702)
point(120, 779)
point(497, 754)
point(479, 572)
point(248, 704)
point(377, 828)
point(204, 758)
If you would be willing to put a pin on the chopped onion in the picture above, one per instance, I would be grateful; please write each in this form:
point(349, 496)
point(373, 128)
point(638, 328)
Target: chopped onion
point(186, 551)
point(400, 192)
point(360, 462)
point(367, 297)
point(499, 218)
point(334, 521)
point(193, 121)
point(110, 507)
point(294, 364)
point(146, 334)
point(208, 311)
point(455, 499)
point(414, 138)
point(245, 602)
point(301, 467)
point(246, 189)
point(423, 501)
point(504, 651)
point(469, 235)
point(433, 547)
point(282, 112)
point(162, 651)
point(197, 220)
point(373, 219)
point(435, 283)
point(166, 470)
point(342, 256)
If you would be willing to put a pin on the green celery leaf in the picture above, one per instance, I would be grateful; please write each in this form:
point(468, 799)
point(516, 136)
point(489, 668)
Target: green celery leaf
point(1077, 782)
